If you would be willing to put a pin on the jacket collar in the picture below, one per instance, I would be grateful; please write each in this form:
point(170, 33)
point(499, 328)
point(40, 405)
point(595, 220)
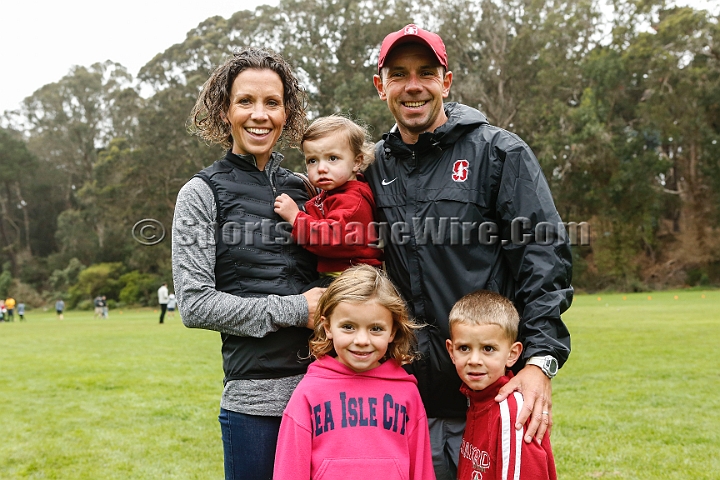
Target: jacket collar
point(360, 177)
point(489, 393)
point(461, 119)
point(249, 162)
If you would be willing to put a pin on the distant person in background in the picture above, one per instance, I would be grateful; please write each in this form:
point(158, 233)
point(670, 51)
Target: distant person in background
point(21, 311)
point(3, 312)
point(10, 305)
point(59, 307)
point(172, 303)
point(97, 302)
point(163, 301)
point(104, 306)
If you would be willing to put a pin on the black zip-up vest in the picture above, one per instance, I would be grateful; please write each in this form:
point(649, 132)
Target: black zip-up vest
point(255, 257)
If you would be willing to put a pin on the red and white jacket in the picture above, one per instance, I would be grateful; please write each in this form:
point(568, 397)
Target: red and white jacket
point(491, 447)
point(337, 226)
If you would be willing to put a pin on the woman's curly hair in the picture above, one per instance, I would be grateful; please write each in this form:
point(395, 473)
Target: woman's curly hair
point(208, 115)
point(360, 284)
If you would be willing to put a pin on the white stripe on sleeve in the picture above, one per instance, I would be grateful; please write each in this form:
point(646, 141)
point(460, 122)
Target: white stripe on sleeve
point(505, 437)
point(518, 436)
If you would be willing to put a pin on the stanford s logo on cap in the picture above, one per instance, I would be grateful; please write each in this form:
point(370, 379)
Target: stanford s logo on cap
point(411, 30)
point(411, 33)
point(460, 170)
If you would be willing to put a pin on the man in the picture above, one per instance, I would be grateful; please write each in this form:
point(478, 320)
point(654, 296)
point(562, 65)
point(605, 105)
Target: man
point(463, 200)
point(97, 302)
point(104, 307)
point(163, 300)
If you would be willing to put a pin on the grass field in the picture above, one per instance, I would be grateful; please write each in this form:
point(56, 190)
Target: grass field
point(126, 398)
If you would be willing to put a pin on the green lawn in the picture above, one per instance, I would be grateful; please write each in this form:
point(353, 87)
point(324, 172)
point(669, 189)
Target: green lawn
point(640, 395)
point(109, 399)
point(128, 398)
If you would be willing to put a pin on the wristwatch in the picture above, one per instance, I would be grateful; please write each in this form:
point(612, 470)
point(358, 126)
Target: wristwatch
point(548, 364)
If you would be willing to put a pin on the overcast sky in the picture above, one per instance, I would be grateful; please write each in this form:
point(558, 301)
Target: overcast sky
point(42, 39)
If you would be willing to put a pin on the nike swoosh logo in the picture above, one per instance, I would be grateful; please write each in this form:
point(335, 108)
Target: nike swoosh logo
point(385, 182)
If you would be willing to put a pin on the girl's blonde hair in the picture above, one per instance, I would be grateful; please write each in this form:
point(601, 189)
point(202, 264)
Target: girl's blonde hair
point(359, 284)
point(357, 135)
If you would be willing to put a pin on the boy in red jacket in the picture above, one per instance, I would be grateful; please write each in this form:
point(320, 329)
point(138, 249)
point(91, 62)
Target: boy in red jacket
point(338, 224)
point(483, 346)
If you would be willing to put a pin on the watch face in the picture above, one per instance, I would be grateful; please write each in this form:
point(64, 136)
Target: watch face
point(551, 365)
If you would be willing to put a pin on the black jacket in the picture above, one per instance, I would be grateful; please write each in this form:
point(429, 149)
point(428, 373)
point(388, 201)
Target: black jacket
point(449, 202)
point(256, 257)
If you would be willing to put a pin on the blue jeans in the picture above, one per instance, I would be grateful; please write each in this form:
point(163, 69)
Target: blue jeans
point(249, 444)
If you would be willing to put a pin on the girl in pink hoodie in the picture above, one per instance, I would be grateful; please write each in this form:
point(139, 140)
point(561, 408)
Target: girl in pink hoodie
point(357, 414)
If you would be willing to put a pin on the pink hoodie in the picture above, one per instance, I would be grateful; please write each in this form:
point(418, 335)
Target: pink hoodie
point(345, 425)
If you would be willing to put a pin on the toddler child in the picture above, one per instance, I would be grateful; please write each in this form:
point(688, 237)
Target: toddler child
point(357, 414)
point(483, 346)
point(337, 224)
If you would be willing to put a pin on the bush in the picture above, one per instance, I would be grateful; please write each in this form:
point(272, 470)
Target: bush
point(85, 305)
point(100, 279)
point(22, 292)
point(698, 276)
point(139, 288)
point(61, 280)
point(34, 272)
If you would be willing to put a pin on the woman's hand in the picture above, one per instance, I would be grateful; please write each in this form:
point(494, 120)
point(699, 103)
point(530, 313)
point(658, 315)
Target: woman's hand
point(312, 296)
point(286, 208)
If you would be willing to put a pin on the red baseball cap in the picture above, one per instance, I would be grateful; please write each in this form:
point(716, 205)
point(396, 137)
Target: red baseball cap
point(413, 34)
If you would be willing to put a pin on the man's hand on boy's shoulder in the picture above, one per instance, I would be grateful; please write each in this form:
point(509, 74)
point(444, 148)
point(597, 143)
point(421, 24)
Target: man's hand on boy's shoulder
point(536, 389)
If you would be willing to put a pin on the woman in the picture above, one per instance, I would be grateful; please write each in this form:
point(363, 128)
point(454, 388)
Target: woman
point(241, 276)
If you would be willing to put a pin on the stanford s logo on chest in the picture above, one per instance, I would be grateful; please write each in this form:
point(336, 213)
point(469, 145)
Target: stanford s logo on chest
point(461, 168)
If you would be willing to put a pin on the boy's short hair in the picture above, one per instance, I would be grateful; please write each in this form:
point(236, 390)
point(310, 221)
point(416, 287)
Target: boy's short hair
point(484, 307)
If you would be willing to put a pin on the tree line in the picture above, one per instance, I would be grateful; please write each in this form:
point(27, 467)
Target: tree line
point(621, 107)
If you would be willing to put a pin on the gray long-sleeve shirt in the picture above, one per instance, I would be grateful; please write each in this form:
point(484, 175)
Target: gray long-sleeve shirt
point(202, 306)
